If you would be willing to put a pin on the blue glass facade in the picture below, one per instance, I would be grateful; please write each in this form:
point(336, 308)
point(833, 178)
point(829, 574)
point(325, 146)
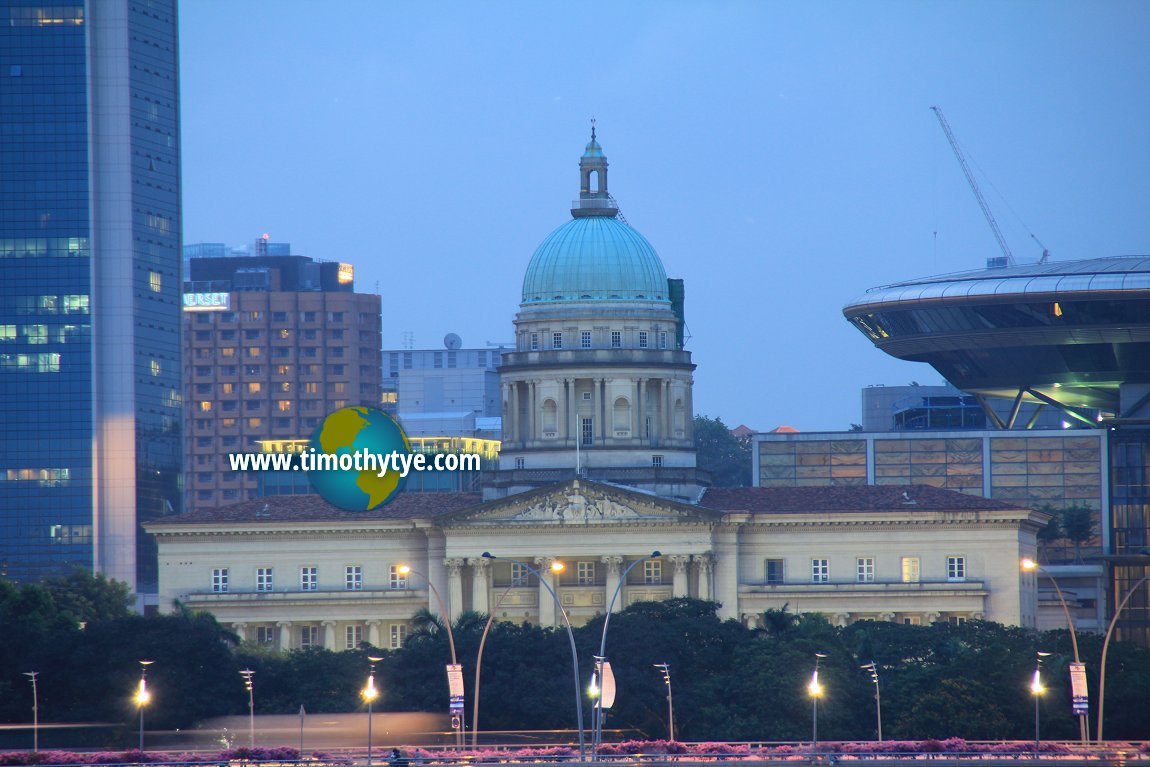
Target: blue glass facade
point(69, 216)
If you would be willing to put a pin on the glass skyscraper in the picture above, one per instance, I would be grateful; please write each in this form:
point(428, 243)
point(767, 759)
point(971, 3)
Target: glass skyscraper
point(90, 365)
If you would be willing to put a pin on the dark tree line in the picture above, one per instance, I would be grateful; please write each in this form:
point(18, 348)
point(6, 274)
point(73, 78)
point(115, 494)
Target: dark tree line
point(730, 682)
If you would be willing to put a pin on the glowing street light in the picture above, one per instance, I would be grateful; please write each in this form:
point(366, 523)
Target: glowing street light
point(1036, 689)
point(247, 674)
point(143, 697)
point(1029, 565)
point(370, 693)
point(815, 690)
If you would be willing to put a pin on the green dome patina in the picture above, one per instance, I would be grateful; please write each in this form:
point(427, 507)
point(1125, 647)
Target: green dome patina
point(596, 258)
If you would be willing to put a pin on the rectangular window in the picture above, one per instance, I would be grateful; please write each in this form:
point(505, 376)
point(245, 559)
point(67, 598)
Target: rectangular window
point(309, 578)
point(352, 637)
point(652, 571)
point(518, 574)
point(308, 637)
point(398, 635)
point(657, 461)
point(820, 571)
point(585, 573)
point(396, 579)
point(264, 579)
point(557, 340)
point(911, 570)
point(534, 342)
point(956, 568)
point(520, 463)
point(616, 339)
point(588, 432)
point(220, 580)
point(774, 571)
point(642, 339)
point(864, 569)
point(662, 339)
point(353, 578)
point(265, 635)
point(585, 339)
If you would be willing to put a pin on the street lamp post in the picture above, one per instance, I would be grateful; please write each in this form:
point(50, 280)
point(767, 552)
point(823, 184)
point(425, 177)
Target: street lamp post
point(479, 661)
point(1036, 689)
point(815, 690)
point(247, 674)
point(35, 710)
point(406, 570)
point(597, 721)
point(666, 669)
point(370, 693)
point(570, 638)
point(873, 668)
point(143, 696)
point(1029, 565)
point(1106, 648)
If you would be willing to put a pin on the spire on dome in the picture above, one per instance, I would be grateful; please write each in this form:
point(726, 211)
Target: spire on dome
point(593, 197)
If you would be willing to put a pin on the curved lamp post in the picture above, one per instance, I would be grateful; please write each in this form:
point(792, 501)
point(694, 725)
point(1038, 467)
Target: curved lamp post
point(35, 710)
point(1106, 646)
point(479, 663)
point(666, 669)
point(815, 690)
point(597, 718)
point(1029, 565)
point(143, 697)
point(406, 570)
point(247, 674)
point(370, 693)
point(570, 638)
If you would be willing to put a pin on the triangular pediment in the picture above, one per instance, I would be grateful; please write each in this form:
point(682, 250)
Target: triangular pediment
point(581, 503)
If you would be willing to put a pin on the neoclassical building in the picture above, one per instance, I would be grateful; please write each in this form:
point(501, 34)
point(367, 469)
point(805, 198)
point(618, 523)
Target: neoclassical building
point(597, 471)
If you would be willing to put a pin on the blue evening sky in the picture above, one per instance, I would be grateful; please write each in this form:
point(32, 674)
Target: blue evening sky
point(780, 156)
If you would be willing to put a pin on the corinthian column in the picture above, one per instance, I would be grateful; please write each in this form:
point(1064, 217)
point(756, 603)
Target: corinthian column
point(613, 563)
point(454, 588)
point(679, 580)
point(546, 601)
point(479, 588)
point(706, 564)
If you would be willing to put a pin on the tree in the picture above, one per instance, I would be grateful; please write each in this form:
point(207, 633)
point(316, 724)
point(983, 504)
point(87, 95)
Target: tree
point(91, 597)
point(725, 456)
point(1078, 527)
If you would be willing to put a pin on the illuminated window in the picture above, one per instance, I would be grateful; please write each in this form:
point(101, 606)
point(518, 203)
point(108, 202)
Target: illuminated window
point(652, 571)
point(911, 569)
point(956, 568)
point(285, 386)
point(616, 339)
point(642, 339)
point(155, 364)
point(585, 573)
point(254, 351)
point(36, 334)
point(254, 315)
point(285, 333)
point(7, 332)
point(398, 635)
point(255, 423)
point(220, 580)
point(864, 569)
point(311, 388)
point(283, 370)
point(155, 282)
point(228, 388)
point(264, 579)
point(396, 579)
point(820, 571)
point(339, 387)
point(254, 387)
point(205, 406)
point(284, 405)
point(227, 351)
point(75, 304)
point(226, 423)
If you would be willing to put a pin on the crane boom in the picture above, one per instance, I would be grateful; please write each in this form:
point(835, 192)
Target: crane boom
point(974, 188)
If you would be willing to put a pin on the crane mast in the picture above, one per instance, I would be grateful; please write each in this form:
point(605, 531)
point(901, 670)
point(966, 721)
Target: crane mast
point(1008, 259)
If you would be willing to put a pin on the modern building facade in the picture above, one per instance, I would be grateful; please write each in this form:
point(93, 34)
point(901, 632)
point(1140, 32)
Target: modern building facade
point(945, 408)
point(90, 388)
point(1074, 336)
point(273, 344)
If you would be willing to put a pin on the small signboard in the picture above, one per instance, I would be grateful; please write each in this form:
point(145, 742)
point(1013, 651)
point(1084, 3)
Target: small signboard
point(455, 681)
point(1080, 701)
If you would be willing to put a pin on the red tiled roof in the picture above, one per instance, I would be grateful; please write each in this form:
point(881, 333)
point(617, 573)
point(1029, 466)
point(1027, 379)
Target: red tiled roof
point(795, 500)
point(304, 508)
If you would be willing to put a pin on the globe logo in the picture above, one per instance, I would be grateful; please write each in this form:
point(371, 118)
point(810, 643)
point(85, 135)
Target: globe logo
point(348, 432)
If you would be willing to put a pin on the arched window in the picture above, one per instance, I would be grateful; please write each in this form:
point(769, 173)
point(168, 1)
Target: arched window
point(550, 418)
point(622, 419)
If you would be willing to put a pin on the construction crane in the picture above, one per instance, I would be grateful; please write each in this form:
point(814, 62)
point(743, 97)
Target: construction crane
point(1008, 258)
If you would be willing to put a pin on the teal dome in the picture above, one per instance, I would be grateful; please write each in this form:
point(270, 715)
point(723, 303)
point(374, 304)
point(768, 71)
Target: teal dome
point(595, 258)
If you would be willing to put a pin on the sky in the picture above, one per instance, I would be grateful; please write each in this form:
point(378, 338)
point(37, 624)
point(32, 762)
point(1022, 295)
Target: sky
point(781, 157)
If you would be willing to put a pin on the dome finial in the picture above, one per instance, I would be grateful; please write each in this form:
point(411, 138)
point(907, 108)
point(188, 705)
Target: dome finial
point(592, 127)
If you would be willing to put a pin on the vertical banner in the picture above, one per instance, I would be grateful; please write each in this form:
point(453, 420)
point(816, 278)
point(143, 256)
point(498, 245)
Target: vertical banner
point(608, 685)
point(1078, 693)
